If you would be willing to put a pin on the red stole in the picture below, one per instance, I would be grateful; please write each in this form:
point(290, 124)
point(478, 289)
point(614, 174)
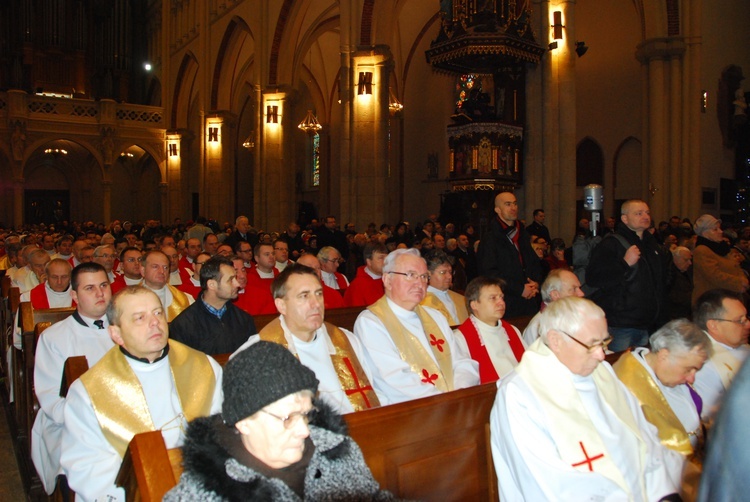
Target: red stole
point(341, 281)
point(479, 353)
point(38, 297)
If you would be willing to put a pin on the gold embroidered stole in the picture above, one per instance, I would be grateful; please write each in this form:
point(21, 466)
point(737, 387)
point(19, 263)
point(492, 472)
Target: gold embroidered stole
point(655, 406)
point(725, 362)
point(431, 300)
point(120, 404)
point(179, 303)
point(411, 349)
point(352, 377)
point(571, 428)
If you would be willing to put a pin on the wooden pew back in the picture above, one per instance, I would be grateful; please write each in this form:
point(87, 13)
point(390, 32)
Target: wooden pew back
point(437, 448)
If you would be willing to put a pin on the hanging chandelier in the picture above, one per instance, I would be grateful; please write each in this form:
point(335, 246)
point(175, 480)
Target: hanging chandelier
point(394, 105)
point(310, 125)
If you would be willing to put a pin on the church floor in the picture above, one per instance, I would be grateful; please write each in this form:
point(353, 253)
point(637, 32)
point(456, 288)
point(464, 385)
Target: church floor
point(11, 489)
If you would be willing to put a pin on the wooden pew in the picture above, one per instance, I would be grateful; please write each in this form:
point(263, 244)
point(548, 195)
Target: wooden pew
point(5, 323)
point(435, 448)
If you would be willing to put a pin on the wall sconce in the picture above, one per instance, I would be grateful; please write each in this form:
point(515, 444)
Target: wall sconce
point(581, 48)
point(704, 101)
point(557, 25)
point(172, 149)
point(213, 134)
point(553, 45)
point(365, 83)
point(272, 114)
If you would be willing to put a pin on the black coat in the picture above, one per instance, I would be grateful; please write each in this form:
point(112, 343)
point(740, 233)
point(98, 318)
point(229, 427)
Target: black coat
point(198, 328)
point(498, 257)
point(632, 297)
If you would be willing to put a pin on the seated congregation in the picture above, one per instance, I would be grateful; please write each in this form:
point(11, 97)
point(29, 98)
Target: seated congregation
point(281, 380)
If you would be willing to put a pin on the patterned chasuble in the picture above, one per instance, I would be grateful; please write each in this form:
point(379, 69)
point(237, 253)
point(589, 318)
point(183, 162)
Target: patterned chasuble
point(120, 404)
point(411, 349)
point(352, 377)
point(655, 406)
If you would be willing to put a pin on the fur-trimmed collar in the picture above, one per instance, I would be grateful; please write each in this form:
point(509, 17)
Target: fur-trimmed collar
point(217, 471)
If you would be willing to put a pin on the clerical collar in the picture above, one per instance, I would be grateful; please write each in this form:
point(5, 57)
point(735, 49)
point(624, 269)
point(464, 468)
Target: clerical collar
point(372, 274)
point(86, 321)
point(164, 354)
point(480, 322)
point(50, 290)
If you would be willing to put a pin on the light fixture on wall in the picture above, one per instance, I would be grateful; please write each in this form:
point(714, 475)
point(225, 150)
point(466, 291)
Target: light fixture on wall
point(213, 134)
point(553, 45)
point(581, 48)
point(56, 151)
point(310, 124)
point(557, 25)
point(364, 86)
point(172, 149)
point(272, 114)
point(249, 143)
point(394, 105)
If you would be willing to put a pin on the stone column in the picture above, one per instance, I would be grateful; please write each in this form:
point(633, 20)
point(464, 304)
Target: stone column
point(178, 150)
point(274, 181)
point(372, 191)
point(18, 184)
point(218, 169)
point(107, 200)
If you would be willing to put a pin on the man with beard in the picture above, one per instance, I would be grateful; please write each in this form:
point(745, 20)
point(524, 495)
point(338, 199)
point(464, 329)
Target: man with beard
point(213, 324)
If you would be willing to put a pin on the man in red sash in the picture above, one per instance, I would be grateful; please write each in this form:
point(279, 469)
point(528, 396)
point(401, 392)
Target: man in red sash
point(333, 353)
point(54, 292)
point(493, 343)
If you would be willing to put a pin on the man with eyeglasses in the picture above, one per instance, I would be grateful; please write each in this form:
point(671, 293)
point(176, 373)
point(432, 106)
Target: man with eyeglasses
point(130, 263)
point(723, 316)
point(105, 256)
point(281, 254)
point(493, 343)
point(367, 286)
point(439, 295)
point(146, 382)
point(563, 427)
point(411, 349)
point(330, 259)
point(54, 291)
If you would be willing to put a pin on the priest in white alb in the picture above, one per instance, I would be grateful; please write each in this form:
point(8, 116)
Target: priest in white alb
point(563, 427)
point(439, 295)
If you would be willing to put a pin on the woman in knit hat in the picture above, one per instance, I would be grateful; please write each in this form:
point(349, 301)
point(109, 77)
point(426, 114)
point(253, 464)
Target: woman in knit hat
point(272, 440)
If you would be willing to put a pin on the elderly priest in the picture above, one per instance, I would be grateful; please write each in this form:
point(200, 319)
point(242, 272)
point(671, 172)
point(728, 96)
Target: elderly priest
point(563, 427)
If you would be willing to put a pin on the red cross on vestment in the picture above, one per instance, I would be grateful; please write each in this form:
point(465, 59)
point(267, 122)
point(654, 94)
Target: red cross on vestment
point(588, 460)
point(357, 389)
point(438, 342)
point(429, 378)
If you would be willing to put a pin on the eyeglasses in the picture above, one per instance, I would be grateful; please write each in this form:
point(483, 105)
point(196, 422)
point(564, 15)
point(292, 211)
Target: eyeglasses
point(133, 260)
point(110, 256)
point(291, 420)
point(444, 272)
point(335, 260)
point(590, 348)
point(413, 276)
point(200, 262)
point(741, 321)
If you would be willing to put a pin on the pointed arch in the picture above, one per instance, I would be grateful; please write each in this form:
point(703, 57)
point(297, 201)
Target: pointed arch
point(237, 45)
point(184, 87)
point(589, 162)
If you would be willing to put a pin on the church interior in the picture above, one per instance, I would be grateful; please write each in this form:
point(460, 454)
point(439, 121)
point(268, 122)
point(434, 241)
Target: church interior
point(371, 111)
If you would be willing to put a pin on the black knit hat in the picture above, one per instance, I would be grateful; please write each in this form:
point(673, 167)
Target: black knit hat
point(260, 375)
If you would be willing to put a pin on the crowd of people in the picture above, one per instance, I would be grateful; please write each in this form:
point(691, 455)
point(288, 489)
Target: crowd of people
point(154, 303)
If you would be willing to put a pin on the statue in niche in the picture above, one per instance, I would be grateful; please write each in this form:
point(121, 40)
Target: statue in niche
point(18, 142)
point(484, 157)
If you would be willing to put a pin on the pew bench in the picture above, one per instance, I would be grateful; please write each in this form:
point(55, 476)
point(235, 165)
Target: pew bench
point(431, 449)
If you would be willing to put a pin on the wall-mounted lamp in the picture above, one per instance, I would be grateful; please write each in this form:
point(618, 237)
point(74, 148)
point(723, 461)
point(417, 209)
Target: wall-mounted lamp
point(213, 134)
point(172, 149)
point(365, 83)
point(704, 101)
point(557, 25)
point(581, 48)
point(553, 45)
point(272, 114)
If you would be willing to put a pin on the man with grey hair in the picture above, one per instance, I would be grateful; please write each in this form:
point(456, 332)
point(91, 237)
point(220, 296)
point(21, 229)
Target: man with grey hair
point(560, 283)
point(34, 271)
point(661, 380)
point(410, 348)
point(105, 256)
point(563, 427)
point(330, 259)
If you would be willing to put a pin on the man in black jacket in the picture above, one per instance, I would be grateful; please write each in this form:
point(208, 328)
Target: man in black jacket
point(213, 324)
point(505, 252)
point(630, 280)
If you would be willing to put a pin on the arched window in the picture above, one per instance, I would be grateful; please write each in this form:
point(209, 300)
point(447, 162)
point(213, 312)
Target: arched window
point(589, 163)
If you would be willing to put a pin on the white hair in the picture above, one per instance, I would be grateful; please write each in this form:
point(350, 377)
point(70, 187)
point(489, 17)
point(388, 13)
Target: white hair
point(390, 261)
point(569, 315)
